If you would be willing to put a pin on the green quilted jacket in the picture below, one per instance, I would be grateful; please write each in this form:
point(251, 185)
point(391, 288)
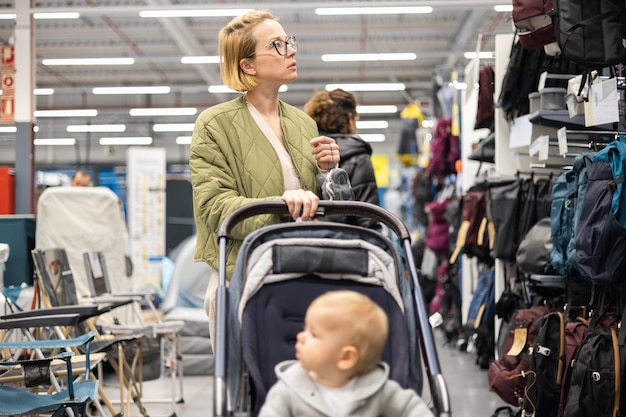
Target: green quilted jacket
point(233, 164)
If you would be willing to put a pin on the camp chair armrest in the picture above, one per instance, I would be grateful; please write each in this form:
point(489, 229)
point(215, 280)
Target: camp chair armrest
point(64, 355)
point(40, 321)
point(83, 310)
point(49, 344)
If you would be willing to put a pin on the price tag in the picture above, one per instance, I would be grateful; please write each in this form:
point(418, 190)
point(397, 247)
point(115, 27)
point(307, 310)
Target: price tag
point(562, 136)
point(542, 80)
point(544, 147)
point(520, 335)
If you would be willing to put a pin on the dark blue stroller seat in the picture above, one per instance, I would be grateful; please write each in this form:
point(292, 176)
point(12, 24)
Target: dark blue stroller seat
point(275, 314)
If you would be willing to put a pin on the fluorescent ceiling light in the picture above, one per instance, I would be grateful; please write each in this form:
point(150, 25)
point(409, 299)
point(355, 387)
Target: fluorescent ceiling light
point(376, 109)
point(337, 11)
point(155, 89)
point(193, 13)
point(54, 142)
point(96, 128)
point(7, 16)
point(373, 137)
point(367, 87)
point(208, 59)
point(459, 86)
point(183, 140)
point(66, 113)
point(503, 7)
point(64, 15)
point(217, 89)
point(8, 129)
point(138, 140)
point(173, 127)
point(372, 124)
point(164, 111)
point(43, 91)
point(404, 56)
point(480, 55)
point(88, 61)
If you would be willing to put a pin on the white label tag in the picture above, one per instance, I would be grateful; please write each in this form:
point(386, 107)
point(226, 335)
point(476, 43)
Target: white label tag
point(602, 104)
point(562, 136)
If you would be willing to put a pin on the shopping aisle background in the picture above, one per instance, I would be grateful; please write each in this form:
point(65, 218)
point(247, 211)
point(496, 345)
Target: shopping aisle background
point(467, 384)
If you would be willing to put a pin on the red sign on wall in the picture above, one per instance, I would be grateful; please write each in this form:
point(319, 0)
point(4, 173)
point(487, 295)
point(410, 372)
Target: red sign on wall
point(8, 59)
point(7, 109)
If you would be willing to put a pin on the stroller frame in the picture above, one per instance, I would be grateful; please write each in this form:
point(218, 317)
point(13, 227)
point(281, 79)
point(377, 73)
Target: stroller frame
point(437, 385)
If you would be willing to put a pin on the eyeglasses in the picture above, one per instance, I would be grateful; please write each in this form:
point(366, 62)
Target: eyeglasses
point(282, 47)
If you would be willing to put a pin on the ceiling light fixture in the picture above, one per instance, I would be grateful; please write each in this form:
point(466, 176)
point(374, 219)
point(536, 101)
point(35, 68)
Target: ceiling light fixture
point(60, 15)
point(193, 13)
point(66, 113)
point(367, 87)
point(207, 59)
point(342, 11)
point(96, 128)
point(404, 56)
point(8, 129)
point(54, 142)
point(156, 89)
point(173, 127)
point(164, 111)
point(183, 140)
point(137, 140)
point(43, 91)
point(88, 61)
point(479, 55)
point(373, 137)
point(377, 109)
point(503, 7)
point(7, 16)
point(372, 124)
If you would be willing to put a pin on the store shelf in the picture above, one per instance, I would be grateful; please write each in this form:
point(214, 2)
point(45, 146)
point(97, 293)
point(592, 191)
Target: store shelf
point(560, 118)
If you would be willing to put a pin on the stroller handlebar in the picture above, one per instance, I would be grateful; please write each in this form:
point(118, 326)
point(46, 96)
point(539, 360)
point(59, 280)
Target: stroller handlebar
point(326, 207)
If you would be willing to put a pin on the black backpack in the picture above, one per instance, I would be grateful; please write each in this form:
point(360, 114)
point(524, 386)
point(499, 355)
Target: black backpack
point(590, 32)
point(595, 384)
point(543, 383)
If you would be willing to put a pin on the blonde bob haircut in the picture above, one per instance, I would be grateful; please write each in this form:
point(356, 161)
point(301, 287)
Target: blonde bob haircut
point(236, 41)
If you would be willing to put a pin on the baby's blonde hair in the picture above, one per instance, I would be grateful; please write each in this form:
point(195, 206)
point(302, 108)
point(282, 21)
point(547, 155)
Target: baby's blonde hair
point(363, 323)
point(236, 41)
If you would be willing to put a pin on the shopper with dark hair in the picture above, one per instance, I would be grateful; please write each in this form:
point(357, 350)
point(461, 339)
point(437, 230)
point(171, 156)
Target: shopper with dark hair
point(336, 116)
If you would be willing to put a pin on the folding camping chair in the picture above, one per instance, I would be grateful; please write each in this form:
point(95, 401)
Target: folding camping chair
point(20, 395)
point(56, 285)
point(167, 331)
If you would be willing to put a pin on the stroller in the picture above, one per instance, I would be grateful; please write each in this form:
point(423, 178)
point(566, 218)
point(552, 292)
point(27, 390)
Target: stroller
point(281, 268)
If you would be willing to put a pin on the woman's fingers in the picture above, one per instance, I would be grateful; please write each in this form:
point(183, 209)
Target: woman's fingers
point(302, 204)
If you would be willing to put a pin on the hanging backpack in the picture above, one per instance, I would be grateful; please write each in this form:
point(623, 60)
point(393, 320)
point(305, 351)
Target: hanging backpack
point(444, 150)
point(472, 239)
point(595, 386)
point(532, 19)
point(504, 209)
point(581, 168)
point(506, 375)
point(480, 319)
point(590, 32)
point(601, 235)
point(561, 219)
point(575, 332)
point(543, 383)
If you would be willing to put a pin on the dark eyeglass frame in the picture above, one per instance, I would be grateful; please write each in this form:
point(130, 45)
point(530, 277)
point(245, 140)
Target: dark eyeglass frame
point(279, 44)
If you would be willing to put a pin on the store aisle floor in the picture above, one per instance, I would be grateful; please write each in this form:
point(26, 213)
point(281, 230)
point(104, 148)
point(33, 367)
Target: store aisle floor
point(467, 384)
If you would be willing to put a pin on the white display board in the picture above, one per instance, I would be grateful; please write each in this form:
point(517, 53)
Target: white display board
point(145, 202)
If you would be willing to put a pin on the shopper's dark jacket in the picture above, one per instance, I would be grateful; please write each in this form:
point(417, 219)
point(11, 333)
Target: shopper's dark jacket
point(356, 160)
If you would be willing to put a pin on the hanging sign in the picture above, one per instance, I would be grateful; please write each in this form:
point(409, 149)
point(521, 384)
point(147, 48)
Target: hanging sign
point(8, 59)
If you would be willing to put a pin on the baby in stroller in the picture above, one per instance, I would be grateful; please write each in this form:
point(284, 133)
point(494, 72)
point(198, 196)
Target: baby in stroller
point(338, 371)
